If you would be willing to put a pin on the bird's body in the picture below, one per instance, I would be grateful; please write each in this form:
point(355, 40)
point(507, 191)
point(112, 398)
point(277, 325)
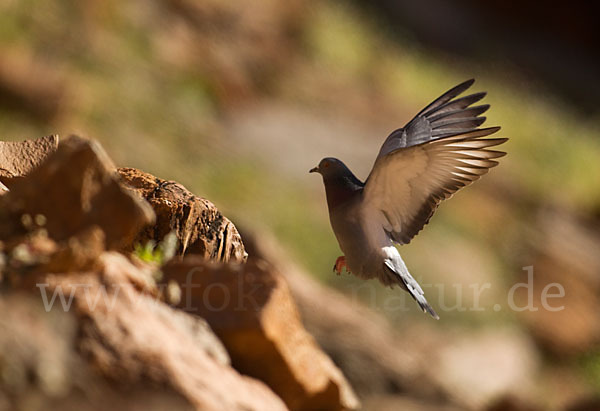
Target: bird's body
point(362, 245)
point(418, 166)
point(369, 252)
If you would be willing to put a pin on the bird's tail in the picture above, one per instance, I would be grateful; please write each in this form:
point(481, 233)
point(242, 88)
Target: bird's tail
point(411, 285)
point(420, 299)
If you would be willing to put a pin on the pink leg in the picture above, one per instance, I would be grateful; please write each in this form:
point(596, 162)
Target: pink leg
point(340, 264)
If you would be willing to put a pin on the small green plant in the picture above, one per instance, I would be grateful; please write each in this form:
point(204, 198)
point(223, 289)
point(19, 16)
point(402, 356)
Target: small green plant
point(148, 253)
point(151, 253)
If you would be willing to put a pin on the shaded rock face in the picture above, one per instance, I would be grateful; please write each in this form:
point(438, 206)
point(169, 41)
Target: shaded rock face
point(199, 226)
point(251, 310)
point(73, 189)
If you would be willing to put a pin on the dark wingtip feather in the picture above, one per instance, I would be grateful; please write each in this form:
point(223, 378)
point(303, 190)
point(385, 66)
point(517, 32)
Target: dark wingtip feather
point(482, 108)
point(468, 83)
point(476, 96)
point(458, 90)
point(447, 96)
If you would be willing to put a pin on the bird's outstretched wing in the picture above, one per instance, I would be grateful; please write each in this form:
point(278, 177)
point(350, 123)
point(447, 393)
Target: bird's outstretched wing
point(440, 151)
point(444, 117)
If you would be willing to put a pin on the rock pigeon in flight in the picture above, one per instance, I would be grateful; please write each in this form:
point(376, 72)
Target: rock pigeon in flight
point(438, 152)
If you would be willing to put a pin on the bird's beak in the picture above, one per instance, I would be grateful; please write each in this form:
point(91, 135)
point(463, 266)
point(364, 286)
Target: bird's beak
point(314, 170)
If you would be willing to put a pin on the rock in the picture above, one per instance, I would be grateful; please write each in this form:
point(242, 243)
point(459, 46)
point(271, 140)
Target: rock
point(112, 342)
point(143, 337)
point(35, 346)
point(80, 253)
point(119, 345)
point(199, 226)
point(103, 334)
point(251, 310)
point(42, 367)
point(18, 158)
point(38, 254)
point(74, 189)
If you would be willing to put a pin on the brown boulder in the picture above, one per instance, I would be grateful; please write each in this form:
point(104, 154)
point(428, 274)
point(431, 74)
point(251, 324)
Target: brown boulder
point(18, 158)
point(74, 189)
point(250, 308)
point(97, 335)
point(141, 336)
point(103, 334)
point(198, 225)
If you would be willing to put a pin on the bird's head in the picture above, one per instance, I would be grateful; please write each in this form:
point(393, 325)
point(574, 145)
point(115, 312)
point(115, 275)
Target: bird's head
point(340, 184)
point(331, 168)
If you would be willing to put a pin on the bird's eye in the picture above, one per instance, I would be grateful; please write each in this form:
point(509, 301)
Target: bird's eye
point(326, 165)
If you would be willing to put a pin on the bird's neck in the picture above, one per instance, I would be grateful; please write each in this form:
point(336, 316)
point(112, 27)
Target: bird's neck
point(342, 189)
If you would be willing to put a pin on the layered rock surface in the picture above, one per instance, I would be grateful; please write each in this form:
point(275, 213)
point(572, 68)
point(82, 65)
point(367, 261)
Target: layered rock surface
point(200, 228)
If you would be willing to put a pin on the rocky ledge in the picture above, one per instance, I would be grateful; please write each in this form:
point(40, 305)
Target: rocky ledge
point(121, 290)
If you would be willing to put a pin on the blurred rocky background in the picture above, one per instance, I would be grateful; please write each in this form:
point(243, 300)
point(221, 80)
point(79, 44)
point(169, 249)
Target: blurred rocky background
point(234, 102)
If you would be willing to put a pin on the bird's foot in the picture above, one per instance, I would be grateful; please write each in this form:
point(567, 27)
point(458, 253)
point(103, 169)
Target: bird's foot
point(340, 264)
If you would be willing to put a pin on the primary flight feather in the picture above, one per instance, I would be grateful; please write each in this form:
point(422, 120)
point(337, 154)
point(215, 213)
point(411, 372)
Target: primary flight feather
point(438, 152)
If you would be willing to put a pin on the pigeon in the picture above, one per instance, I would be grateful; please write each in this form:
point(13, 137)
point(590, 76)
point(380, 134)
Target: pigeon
point(439, 151)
